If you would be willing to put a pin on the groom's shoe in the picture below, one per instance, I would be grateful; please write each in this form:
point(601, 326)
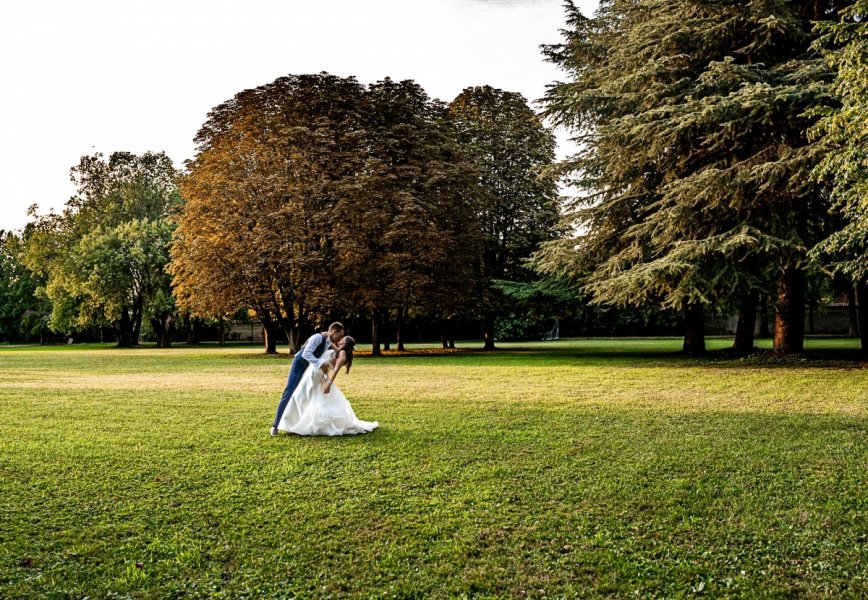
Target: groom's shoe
point(274, 432)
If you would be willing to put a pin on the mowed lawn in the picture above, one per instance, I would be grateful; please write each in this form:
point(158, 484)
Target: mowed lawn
point(578, 468)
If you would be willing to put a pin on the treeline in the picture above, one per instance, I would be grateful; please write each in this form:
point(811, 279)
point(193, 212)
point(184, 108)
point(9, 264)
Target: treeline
point(101, 263)
point(309, 199)
point(319, 197)
point(721, 167)
point(723, 158)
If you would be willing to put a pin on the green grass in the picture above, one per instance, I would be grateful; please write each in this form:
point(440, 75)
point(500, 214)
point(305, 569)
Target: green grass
point(575, 468)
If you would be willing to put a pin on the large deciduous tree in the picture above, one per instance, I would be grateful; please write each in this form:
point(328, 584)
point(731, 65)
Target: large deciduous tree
point(314, 196)
point(406, 232)
point(260, 194)
point(518, 208)
point(103, 259)
point(694, 159)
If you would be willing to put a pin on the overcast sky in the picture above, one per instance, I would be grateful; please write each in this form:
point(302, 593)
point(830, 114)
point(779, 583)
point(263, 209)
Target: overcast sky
point(105, 75)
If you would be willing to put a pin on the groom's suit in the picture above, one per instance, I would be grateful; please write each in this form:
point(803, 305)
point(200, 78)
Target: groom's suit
point(310, 354)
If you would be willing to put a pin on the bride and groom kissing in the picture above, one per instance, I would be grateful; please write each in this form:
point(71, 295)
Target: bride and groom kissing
point(311, 403)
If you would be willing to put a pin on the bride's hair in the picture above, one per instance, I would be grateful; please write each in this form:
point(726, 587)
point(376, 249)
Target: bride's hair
point(349, 344)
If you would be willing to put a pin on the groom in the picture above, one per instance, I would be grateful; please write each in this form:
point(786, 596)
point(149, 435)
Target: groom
point(311, 354)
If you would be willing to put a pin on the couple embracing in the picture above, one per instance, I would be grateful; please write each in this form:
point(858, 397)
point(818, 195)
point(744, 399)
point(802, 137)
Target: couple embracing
point(311, 403)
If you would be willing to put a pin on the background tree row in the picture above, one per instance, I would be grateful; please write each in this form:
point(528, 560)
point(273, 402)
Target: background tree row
point(314, 197)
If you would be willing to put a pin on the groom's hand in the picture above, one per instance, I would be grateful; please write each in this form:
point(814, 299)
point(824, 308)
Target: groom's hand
point(326, 387)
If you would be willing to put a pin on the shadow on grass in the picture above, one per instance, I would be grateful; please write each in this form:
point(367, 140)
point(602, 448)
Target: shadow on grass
point(827, 358)
point(633, 352)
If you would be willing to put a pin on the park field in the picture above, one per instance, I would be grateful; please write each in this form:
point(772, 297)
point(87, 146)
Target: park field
point(577, 468)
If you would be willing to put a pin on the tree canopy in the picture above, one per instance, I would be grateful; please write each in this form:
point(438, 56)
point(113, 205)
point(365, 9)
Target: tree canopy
point(255, 229)
point(103, 258)
point(407, 233)
point(518, 206)
point(843, 137)
point(694, 168)
point(24, 312)
point(313, 196)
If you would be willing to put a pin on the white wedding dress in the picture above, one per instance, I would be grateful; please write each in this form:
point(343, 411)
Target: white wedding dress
point(310, 412)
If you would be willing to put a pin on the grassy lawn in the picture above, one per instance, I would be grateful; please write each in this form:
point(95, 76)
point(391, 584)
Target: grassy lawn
point(574, 468)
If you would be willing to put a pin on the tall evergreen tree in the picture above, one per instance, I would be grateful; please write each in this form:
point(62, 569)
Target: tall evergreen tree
point(695, 157)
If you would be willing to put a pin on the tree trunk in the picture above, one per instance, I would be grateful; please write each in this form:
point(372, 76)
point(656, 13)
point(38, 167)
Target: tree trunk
point(157, 326)
point(270, 340)
point(384, 331)
point(488, 332)
point(125, 330)
point(270, 331)
point(744, 330)
point(399, 320)
point(168, 330)
point(375, 333)
point(444, 338)
point(694, 329)
point(137, 322)
point(852, 315)
point(162, 326)
point(222, 332)
point(447, 333)
point(764, 327)
point(862, 298)
point(790, 312)
point(294, 339)
point(190, 330)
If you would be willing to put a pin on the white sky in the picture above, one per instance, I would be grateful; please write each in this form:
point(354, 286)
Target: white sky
point(82, 76)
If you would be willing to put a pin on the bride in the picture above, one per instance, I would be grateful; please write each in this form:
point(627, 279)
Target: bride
point(318, 407)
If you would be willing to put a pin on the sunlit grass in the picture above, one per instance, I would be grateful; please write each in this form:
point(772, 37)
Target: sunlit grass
point(570, 468)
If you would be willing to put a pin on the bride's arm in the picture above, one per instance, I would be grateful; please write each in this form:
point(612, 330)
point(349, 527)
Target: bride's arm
point(330, 377)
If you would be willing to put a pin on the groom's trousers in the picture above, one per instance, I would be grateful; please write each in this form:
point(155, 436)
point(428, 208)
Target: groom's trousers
point(296, 371)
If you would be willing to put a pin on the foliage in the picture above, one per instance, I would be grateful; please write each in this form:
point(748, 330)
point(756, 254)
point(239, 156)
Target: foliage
point(557, 469)
point(260, 195)
point(694, 163)
point(844, 139)
point(518, 208)
point(532, 309)
point(604, 319)
point(406, 233)
point(510, 147)
point(313, 195)
point(23, 313)
point(103, 258)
